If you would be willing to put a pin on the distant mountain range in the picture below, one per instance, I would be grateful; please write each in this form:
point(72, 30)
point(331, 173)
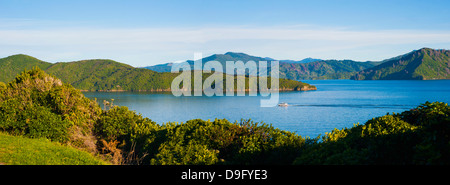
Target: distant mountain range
point(306, 69)
point(422, 64)
point(229, 56)
point(106, 75)
point(109, 75)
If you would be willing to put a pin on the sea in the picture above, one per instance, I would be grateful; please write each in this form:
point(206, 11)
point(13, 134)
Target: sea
point(335, 104)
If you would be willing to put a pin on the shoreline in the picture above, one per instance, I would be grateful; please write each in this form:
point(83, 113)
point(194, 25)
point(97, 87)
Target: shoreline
point(304, 88)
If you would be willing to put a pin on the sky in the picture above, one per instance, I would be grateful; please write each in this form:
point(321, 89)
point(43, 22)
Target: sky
point(143, 33)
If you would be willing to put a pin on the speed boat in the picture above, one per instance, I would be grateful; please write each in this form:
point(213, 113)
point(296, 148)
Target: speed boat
point(283, 104)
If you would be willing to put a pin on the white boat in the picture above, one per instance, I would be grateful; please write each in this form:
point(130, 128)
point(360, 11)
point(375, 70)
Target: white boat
point(283, 104)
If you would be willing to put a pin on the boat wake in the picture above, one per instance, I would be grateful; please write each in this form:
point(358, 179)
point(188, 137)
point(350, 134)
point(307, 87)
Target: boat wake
point(382, 106)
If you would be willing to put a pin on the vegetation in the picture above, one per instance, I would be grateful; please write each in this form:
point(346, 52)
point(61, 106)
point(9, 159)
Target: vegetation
point(423, 64)
point(19, 150)
point(103, 75)
point(15, 64)
point(128, 137)
point(41, 116)
point(323, 70)
point(39, 105)
point(307, 69)
point(419, 136)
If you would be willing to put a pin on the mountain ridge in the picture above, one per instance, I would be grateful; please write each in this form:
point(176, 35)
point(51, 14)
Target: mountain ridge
point(422, 64)
point(306, 69)
point(107, 75)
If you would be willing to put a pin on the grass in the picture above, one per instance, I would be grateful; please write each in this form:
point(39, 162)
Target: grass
point(19, 150)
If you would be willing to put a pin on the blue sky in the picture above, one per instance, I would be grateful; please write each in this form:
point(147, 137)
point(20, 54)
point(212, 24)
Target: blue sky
point(144, 33)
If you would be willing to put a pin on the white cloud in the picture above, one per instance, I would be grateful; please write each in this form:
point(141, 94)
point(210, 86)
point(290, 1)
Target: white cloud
point(148, 46)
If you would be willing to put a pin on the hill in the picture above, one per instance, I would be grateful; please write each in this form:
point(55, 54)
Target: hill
point(324, 69)
point(221, 58)
point(305, 69)
point(423, 64)
point(102, 74)
point(15, 64)
point(19, 150)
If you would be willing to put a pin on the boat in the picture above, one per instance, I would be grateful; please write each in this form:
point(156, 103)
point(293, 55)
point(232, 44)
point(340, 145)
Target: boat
point(282, 104)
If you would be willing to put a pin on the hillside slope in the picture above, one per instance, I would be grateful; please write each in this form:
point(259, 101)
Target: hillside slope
point(325, 69)
point(15, 64)
point(306, 69)
point(423, 64)
point(19, 150)
point(105, 75)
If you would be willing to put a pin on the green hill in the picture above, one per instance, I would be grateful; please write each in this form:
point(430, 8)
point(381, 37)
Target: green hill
point(104, 75)
point(15, 64)
point(19, 150)
point(423, 64)
point(325, 69)
point(306, 69)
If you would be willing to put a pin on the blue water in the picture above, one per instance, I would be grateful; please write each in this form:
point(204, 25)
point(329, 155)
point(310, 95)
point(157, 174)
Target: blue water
point(336, 104)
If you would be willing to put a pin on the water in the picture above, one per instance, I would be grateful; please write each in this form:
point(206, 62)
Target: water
point(336, 104)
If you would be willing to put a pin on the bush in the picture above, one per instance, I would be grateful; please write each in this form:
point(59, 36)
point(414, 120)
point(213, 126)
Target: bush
point(124, 134)
point(190, 154)
point(33, 121)
point(2, 86)
point(222, 142)
point(36, 104)
point(418, 136)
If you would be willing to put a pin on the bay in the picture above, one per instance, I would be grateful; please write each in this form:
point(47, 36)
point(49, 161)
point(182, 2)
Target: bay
point(336, 104)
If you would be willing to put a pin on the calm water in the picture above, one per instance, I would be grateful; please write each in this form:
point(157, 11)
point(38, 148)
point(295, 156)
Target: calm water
point(336, 104)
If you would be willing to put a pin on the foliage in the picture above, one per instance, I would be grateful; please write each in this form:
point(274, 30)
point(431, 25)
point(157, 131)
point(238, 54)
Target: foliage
point(190, 154)
point(2, 86)
point(195, 142)
point(423, 64)
point(306, 69)
point(322, 70)
point(418, 136)
point(36, 104)
point(13, 65)
point(124, 134)
point(19, 150)
point(102, 74)
point(33, 121)
point(222, 142)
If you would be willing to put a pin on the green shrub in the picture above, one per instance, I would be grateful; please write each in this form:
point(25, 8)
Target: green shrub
point(418, 136)
point(222, 142)
point(36, 104)
point(2, 86)
point(33, 121)
point(190, 154)
point(124, 134)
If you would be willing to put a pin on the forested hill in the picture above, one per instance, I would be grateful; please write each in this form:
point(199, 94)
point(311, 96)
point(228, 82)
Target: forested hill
point(423, 64)
point(13, 65)
point(104, 75)
point(323, 70)
point(306, 69)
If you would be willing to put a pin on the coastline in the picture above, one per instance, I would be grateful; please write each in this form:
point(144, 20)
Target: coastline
point(304, 88)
